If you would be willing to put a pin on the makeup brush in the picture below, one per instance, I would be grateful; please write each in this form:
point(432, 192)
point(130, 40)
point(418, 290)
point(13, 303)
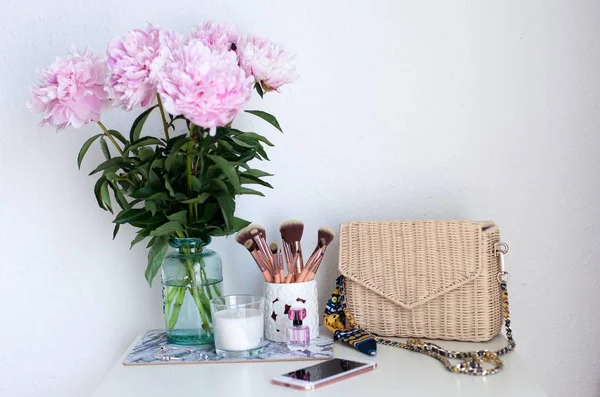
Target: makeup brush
point(251, 247)
point(311, 261)
point(291, 275)
point(324, 237)
point(246, 233)
point(281, 264)
point(259, 239)
point(315, 268)
point(291, 233)
point(277, 266)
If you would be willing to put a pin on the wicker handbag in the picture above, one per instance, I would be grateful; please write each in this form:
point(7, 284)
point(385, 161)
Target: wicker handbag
point(428, 279)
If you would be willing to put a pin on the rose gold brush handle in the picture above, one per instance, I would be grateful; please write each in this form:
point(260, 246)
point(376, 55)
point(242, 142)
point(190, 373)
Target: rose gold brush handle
point(280, 267)
point(299, 263)
point(290, 276)
point(288, 259)
point(315, 269)
point(264, 249)
point(261, 266)
point(309, 266)
point(275, 268)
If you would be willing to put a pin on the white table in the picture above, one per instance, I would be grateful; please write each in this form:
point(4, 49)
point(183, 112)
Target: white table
point(399, 373)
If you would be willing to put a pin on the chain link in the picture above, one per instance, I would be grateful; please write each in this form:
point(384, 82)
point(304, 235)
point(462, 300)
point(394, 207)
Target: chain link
point(471, 361)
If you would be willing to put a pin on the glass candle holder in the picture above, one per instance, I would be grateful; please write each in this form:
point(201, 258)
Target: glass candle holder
point(238, 325)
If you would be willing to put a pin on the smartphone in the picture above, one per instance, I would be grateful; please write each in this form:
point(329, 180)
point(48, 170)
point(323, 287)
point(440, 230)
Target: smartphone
point(322, 374)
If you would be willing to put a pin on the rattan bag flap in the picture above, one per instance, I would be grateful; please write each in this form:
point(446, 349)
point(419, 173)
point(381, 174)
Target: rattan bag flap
point(431, 279)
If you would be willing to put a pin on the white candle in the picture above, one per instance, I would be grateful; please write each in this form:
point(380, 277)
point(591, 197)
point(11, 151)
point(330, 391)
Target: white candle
point(238, 329)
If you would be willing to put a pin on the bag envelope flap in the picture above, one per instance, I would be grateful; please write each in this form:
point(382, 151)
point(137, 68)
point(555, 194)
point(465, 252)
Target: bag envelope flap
point(411, 262)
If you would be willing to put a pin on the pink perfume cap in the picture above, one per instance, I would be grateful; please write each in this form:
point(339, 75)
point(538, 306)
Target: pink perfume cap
point(297, 313)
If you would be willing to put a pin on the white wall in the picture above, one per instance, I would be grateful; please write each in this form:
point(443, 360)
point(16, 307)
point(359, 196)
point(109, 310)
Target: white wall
point(411, 109)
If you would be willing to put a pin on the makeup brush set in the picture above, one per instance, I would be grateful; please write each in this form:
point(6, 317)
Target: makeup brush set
point(286, 264)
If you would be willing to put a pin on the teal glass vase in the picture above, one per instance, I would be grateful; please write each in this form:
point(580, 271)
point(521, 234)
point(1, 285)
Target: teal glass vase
point(192, 275)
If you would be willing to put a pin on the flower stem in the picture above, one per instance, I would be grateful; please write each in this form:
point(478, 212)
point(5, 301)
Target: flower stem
point(200, 304)
point(189, 179)
point(162, 115)
point(110, 137)
point(176, 308)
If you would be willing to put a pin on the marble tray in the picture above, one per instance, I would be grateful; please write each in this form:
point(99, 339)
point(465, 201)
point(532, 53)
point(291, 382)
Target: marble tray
point(321, 348)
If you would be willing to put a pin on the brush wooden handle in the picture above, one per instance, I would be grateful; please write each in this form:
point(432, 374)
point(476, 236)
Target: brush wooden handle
point(315, 269)
point(261, 266)
point(291, 274)
point(265, 251)
point(299, 262)
point(280, 267)
point(309, 266)
point(288, 260)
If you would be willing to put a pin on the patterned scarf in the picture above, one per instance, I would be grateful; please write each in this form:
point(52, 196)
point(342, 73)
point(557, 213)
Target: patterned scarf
point(339, 321)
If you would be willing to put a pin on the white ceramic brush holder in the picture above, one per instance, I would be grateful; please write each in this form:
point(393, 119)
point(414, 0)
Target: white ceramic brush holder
point(280, 298)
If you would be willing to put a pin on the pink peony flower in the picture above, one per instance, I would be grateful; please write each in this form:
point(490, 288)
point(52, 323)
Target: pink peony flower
point(207, 87)
point(271, 65)
point(71, 91)
point(217, 36)
point(129, 61)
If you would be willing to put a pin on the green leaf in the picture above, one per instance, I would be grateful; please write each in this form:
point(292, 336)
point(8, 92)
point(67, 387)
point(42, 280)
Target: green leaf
point(259, 89)
point(218, 232)
point(118, 162)
point(269, 118)
point(251, 180)
point(169, 187)
point(148, 140)
point(98, 192)
point(226, 146)
point(146, 154)
point(227, 209)
point(119, 136)
point(138, 124)
point(85, 148)
point(254, 137)
point(167, 228)
point(129, 215)
point(159, 196)
point(152, 240)
point(262, 153)
point(228, 169)
point(242, 143)
point(143, 193)
point(256, 173)
point(116, 230)
point(151, 206)
point(196, 184)
point(238, 224)
point(142, 234)
point(197, 200)
point(156, 255)
point(174, 151)
point(209, 210)
point(119, 196)
point(180, 217)
point(149, 221)
point(106, 196)
point(219, 186)
point(104, 147)
point(246, 190)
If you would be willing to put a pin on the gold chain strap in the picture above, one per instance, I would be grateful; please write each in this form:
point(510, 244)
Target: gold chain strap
point(471, 361)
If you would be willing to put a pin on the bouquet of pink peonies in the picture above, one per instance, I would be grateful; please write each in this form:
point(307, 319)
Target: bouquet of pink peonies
point(185, 183)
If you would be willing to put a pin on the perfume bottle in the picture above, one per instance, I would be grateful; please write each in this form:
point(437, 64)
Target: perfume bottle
point(298, 335)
